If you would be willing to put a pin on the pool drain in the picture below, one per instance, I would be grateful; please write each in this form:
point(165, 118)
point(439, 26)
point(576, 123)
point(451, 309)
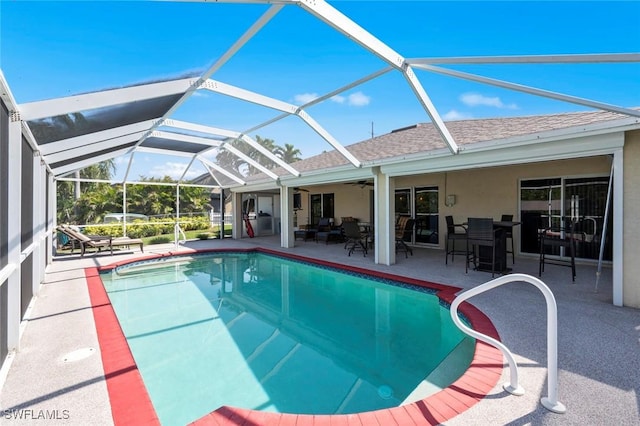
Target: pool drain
point(385, 392)
point(78, 355)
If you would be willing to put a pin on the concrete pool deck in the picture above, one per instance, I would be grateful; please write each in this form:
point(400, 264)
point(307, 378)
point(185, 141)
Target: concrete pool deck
point(55, 375)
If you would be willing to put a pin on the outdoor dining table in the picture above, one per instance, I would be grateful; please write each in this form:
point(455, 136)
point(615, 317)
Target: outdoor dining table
point(501, 244)
point(485, 252)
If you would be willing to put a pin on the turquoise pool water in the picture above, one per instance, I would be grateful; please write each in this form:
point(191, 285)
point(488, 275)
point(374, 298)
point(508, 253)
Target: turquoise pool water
point(263, 332)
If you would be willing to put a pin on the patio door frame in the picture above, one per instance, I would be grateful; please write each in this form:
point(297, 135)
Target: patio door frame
point(411, 203)
point(561, 207)
point(321, 205)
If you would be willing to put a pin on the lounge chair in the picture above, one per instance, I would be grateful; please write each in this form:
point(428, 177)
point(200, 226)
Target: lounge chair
point(98, 241)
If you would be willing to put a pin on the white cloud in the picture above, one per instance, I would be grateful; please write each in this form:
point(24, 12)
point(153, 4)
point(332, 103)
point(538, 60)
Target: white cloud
point(476, 99)
point(358, 99)
point(338, 99)
point(123, 160)
point(173, 170)
point(455, 115)
point(304, 98)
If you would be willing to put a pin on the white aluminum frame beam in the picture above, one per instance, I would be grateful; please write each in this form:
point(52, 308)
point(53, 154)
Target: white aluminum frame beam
point(91, 138)
point(428, 106)
point(186, 169)
point(253, 30)
point(232, 135)
point(247, 95)
point(338, 21)
point(222, 170)
point(532, 59)
point(106, 98)
point(162, 151)
point(322, 98)
point(88, 149)
point(71, 167)
point(334, 18)
point(212, 143)
point(256, 98)
point(249, 160)
point(129, 164)
point(530, 90)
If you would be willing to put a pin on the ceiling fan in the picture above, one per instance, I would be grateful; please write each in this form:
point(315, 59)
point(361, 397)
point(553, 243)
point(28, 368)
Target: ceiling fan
point(360, 183)
point(298, 189)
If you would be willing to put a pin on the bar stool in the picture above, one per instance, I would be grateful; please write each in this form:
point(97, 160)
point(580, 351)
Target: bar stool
point(508, 233)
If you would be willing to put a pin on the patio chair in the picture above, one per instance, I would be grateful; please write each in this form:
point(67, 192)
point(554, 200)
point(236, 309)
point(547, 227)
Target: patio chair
point(404, 227)
point(322, 225)
point(481, 233)
point(557, 237)
point(98, 241)
point(452, 237)
point(355, 238)
point(328, 233)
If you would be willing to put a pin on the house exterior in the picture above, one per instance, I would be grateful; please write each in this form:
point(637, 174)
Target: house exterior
point(534, 168)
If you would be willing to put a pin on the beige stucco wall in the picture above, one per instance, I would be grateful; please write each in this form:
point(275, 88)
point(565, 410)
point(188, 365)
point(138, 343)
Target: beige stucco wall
point(631, 244)
point(492, 192)
point(350, 200)
point(489, 192)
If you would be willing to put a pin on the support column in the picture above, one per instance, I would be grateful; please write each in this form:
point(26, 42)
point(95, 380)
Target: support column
point(618, 228)
point(236, 206)
point(52, 220)
point(38, 225)
point(14, 185)
point(384, 226)
point(287, 237)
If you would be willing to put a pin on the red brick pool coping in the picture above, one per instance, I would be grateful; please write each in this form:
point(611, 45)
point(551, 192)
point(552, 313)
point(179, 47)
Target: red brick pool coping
point(130, 402)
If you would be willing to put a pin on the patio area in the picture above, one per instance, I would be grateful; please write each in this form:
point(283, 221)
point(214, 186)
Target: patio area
point(598, 356)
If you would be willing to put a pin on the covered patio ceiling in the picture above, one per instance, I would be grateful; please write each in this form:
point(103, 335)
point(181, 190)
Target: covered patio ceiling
point(77, 131)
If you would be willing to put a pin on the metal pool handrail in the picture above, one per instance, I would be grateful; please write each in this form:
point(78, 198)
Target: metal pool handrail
point(550, 402)
point(177, 232)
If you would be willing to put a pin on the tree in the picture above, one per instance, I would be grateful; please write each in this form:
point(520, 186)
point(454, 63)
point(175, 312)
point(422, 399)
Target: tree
point(156, 200)
point(150, 199)
point(289, 154)
point(230, 161)
point(73, 210)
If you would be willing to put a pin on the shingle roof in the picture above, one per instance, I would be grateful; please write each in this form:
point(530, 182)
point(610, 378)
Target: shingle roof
point(424, 137)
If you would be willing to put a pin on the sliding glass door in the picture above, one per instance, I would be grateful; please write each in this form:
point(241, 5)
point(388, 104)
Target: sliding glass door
point(421, 203)
point(544, 202)
point(322, 205)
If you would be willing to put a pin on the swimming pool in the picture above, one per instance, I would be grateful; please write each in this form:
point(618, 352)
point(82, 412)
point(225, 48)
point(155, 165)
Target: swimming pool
point(292, 337)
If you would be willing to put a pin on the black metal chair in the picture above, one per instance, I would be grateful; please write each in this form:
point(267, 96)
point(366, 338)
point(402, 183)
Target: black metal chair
point(452, 237)
point(404, 227)
point(508, 234)
point(481, 233)
point(551, 238)
point(355, 238)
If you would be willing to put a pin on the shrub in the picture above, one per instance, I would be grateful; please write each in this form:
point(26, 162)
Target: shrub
point(160, 240)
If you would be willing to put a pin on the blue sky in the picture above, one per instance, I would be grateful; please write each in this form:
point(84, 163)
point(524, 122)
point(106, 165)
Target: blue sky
point(52, 49)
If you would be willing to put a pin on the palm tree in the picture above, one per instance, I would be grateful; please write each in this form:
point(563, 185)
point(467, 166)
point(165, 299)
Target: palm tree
point(289, 154)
